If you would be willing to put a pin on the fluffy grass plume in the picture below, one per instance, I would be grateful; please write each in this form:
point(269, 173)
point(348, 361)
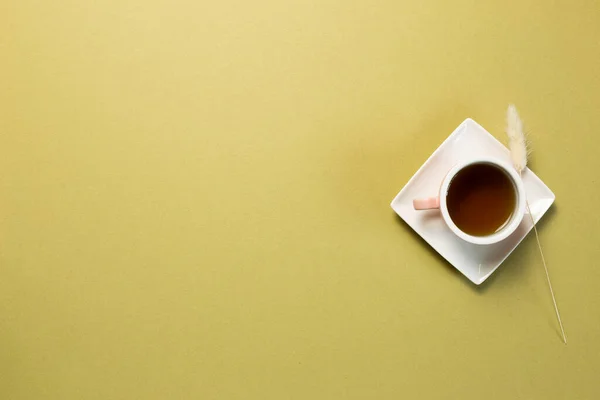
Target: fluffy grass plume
point(516, 139)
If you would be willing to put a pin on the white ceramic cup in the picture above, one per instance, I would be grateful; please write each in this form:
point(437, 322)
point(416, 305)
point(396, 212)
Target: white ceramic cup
point(440, 202)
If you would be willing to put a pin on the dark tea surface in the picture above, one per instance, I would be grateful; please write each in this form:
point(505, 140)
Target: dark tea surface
point(481, 199)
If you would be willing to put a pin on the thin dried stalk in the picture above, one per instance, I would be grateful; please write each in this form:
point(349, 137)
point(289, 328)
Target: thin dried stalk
point(517, 143)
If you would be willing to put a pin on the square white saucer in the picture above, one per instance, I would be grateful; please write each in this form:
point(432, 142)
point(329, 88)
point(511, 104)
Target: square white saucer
point(469, 140)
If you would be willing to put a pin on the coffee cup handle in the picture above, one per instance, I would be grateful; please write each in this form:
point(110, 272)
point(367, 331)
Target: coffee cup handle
point(429, 203)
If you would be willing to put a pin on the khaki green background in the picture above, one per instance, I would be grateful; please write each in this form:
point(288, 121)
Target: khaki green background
point(195, 199)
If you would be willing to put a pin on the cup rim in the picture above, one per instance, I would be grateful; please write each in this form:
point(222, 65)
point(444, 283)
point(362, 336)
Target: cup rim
point(518, 215)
